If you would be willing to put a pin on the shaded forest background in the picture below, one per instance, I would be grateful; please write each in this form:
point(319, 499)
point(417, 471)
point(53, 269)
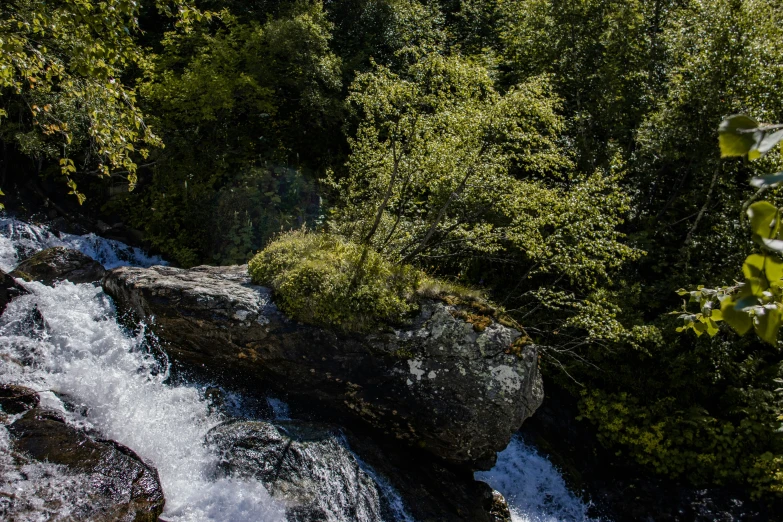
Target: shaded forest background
point(560, 155)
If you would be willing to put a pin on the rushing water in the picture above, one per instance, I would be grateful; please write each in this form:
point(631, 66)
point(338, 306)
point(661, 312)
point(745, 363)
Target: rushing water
point(534, 489)
point(19, 240)
point(65, 342)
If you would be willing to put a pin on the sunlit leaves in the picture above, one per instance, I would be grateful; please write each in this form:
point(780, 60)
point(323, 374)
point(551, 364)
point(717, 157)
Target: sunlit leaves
point(735, 316)
point(64, 60)
point(755, 303)
point(767, 324)
point(736, 135)
point(467, 171)
point(740, 135)
point(758, 301)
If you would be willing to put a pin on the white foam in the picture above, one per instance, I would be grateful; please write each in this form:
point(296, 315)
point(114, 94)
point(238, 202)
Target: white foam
point(85, 355)
point(19, 240)
point(533, 487)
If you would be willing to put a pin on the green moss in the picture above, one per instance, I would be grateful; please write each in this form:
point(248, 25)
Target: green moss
point(519, 344)
point(22, 275)
point(314, 277)
point(480, 322)
point(446, 290)
point(403, 353)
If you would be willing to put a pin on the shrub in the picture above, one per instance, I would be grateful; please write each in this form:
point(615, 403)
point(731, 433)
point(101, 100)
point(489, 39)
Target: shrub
point(314, 278)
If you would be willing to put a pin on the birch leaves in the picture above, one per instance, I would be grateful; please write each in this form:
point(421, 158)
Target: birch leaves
point(757, 302)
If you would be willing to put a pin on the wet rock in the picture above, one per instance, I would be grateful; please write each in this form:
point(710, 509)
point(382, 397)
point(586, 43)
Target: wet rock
point(431, 490)
point(495, 505)
point(59, 264)
point(305, 465)
point(437, 384)
point(115, 484)
point(17, 399)
point(8, 290)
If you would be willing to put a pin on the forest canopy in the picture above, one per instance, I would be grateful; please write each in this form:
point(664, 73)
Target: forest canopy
point(561, 157)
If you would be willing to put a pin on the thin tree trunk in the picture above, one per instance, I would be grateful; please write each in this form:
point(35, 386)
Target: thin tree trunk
point(359, 272)
point(702, 211)
point(386, 197)
point(423, 244)
point(400, 210)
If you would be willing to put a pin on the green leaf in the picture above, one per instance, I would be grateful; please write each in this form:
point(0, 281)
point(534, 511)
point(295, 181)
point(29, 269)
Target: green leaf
point(712, 327)
point(762, 219)
point(740, 321)
point(699, 328)
point(767, 325)
point(760, 270)
point(736, 136)
point(757, 285)
point(753, 268)
point(773, 268)
point(773, 180)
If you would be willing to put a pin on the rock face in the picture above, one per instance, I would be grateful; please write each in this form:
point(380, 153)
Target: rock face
point(17, 399)
point(309, 467)
point(431, 489)
point(58, 264)
point(8, 290)
point(437, 384)
point(305, 465)
point(50, 467)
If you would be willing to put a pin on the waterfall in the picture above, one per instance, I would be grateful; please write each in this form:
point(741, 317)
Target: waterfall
point(65, 342)
point(20, 240)
point(533, 487)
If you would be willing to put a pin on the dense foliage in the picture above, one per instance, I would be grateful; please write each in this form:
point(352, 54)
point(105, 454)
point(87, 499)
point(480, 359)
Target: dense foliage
point(61, 71)
point(562, 156)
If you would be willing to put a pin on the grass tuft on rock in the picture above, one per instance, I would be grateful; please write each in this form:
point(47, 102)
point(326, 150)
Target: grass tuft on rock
point(314, 279)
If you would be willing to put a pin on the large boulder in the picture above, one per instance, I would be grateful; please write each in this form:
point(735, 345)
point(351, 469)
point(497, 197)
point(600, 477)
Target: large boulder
point(50, 469)
point(59, 264)
point(440, 383)
point(430, 489)
point(312, 469)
